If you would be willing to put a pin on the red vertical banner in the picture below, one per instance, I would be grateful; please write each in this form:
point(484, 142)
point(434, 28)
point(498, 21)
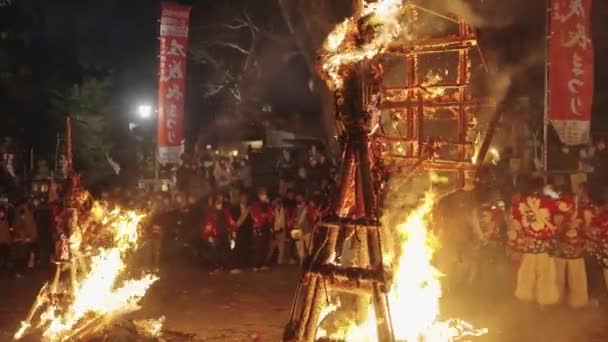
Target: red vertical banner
point(174, 23)
point(571, 70)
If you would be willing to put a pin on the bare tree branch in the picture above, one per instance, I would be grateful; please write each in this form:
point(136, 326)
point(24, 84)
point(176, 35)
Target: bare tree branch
point(237, 26)
point(301, 44)
point(228, 45)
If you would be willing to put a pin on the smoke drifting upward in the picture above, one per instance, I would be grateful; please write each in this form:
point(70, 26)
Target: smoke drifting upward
point(468, 13)
point(489, 13)
point(500, 82)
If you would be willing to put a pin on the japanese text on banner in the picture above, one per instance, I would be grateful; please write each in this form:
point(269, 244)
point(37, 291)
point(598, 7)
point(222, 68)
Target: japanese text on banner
point(172, 73)
point(571, 70)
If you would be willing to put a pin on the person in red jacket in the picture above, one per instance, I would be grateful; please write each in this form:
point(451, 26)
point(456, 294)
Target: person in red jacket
point(219, 230)
point(262, 216)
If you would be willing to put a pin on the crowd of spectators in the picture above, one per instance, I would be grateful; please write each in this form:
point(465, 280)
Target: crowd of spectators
point(248, 226)
point(227, 223)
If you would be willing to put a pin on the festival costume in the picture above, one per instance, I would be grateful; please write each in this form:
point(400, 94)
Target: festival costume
point(5, 238)
point(278, 236)
point(210, 224)
point(568, 250)
point(244, 236)
point(598, 236)
point(491, 257)
point(291, 218)
point(218, 229)
point(536, 276)
point(307, 217)
point(516, 244)
point(262, 216)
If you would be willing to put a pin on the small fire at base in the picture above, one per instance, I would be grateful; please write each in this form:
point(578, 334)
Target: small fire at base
point(92, 285)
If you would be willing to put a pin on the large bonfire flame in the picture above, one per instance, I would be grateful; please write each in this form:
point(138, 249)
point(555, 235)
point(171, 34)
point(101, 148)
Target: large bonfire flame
point(416, 292)
point(96, 289)
point(414, 299)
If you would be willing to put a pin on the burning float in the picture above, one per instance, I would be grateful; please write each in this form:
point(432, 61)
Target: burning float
point(404, 113)
point(93, 286)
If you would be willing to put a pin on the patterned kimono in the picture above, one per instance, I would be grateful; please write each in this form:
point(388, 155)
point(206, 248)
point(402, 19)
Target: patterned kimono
point(568, 250)
point(598, 240)
point(536, 276)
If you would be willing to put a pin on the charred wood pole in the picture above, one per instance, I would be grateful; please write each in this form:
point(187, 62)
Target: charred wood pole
point(356, 216)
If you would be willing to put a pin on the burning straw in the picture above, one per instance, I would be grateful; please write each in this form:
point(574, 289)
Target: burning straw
point(89, 290)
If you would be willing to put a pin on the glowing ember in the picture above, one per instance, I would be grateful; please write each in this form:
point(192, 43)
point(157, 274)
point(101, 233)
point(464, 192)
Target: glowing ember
point(435, 178)
point(150, 327)
point(352, 332)
point(99, 245)
point(431, 80)
point(495, 155)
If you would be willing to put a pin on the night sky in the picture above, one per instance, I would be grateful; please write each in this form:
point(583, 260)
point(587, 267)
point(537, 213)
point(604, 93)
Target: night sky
point(121, 36)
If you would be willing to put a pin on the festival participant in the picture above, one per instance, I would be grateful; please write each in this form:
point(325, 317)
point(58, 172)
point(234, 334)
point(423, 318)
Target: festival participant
point(219, 230)
point(536, 276)
point(244, 232)
point(287, 169)
point(279, 229)
point(5, 238)
point(459, 232)
point(222, 175)
point(491, 246)
point(307, 216)
point(244, 175)
point(27, 234)
point(261, 214)
point(598, 238)
point(569, 249)
point(515, 236)
point(516, 245)
point(154, 232)
point(291, 219)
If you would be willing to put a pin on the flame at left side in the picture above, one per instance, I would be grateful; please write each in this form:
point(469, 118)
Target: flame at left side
point(95, 290)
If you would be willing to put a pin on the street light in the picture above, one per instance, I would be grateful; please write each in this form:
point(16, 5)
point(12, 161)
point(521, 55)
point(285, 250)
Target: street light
point(144, 111)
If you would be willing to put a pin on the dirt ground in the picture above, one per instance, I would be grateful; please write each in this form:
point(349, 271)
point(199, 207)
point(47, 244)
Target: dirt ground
point(225, 307)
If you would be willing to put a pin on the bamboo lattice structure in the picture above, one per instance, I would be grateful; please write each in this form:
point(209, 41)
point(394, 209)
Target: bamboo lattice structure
point(370, 154)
